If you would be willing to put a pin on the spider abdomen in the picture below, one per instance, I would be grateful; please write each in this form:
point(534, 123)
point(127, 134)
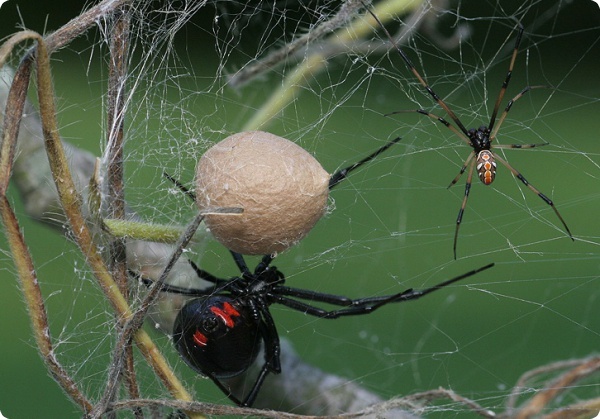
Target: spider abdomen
point(486, 166)
point(216, 336)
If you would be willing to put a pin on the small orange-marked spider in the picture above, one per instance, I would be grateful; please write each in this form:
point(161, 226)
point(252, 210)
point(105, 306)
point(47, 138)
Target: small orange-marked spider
point(481, 140)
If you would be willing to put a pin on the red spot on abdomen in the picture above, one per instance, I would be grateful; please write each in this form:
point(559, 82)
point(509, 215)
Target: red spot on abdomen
point(226, 314)
point(200, 339)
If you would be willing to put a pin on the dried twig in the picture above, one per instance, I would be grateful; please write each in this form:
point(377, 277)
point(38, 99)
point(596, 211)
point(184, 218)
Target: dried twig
point(21, 256)
point(552, 389)
point(36, 306)
point(135, 322)
point(115, 196)
point(521, 384)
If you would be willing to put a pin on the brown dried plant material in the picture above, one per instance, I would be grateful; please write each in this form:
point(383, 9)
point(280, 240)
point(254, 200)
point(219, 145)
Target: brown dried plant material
point(281, 187)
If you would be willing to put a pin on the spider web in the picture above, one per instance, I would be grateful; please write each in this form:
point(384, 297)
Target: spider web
point(389, 227)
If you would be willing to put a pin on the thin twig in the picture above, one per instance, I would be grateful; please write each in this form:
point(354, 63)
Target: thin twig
point(442, 393)
point(15, 103)
point(557, 386)
point(35, 304)
point(521, 384)
point(115, 196)
point(581, 410)
point(208, 408)
point(388, 408)
point(79, 25)
point(135, 322)
point(21, 256)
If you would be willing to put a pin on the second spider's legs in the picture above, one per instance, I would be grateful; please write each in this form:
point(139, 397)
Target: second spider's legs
point(513, 58)
point(462, 170)
point(340, 175)
point(413, 69)
point(438, 119)
point(537, 192)
point(507, 109)
point(519, 146)
point(365, 305)
point(461, 211)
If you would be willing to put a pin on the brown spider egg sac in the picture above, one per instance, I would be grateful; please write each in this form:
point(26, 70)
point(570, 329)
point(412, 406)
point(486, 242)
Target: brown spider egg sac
point(282, 189)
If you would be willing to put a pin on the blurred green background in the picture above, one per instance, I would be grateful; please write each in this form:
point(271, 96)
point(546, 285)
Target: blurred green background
point(391, 225)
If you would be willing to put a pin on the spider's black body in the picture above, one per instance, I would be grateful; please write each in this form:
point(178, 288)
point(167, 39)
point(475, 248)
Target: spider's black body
point(220, 332)
point(217, 336)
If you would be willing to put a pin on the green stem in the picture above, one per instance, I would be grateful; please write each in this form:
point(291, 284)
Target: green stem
point(138, 230)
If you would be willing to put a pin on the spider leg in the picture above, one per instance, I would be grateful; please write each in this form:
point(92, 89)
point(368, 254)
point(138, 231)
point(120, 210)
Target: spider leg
point(439, 119)
point(174, 289)
point(241, 263)
point(366, 305)
point(311, 295)
point(305, 307)
point(264, 264)
point(462, 170)
point(413, 69)
point(340, 175)
point(537, 192)
point(509, 105)
point(202, 274)
point(272, 362)
point(181, 186)
point(251, 397)
point(351, 307)
point(226, 390)
point(519, 146)
point(416, 294)
point(243, 266)
point(507, 78)
point(461, 211)
point(270, 338)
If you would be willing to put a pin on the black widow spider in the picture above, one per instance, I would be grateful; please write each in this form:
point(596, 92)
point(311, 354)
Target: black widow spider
point(219, 333)
point(480, 139)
